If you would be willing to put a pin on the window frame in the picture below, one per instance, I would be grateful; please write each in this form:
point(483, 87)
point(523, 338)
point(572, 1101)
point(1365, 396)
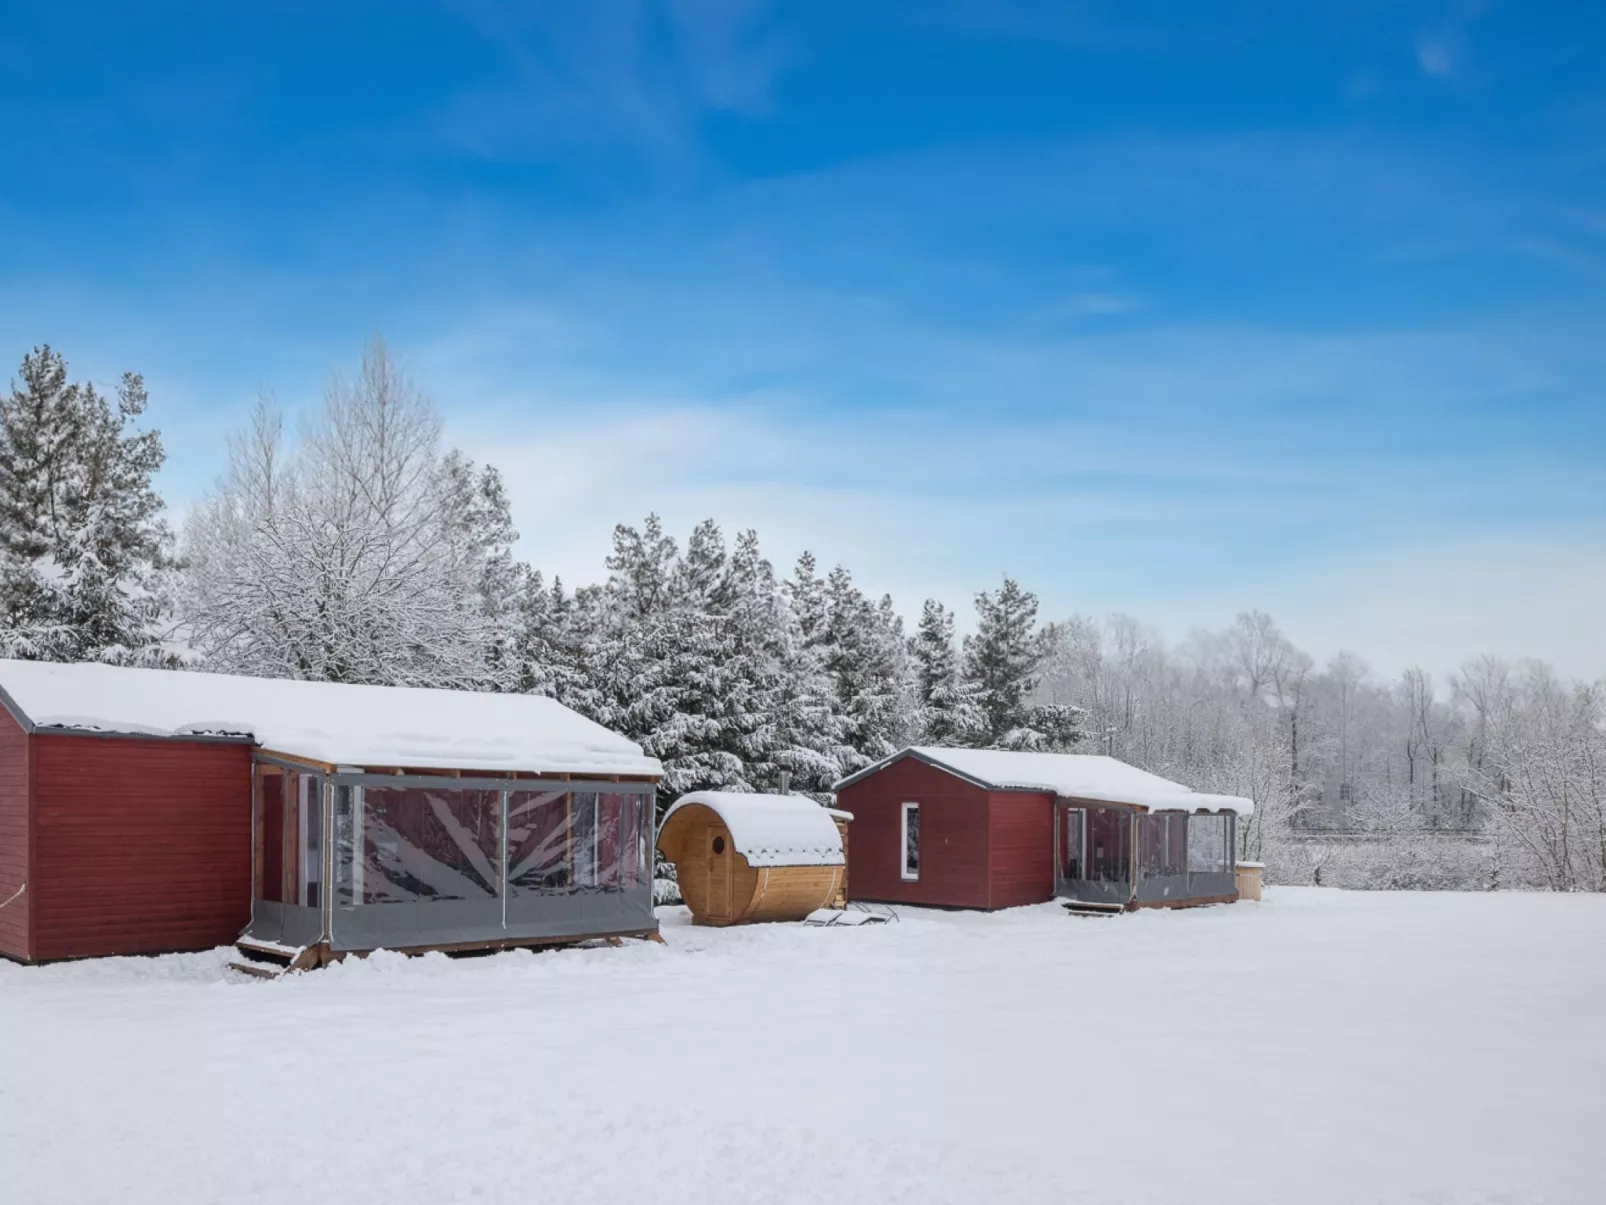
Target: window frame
point(904, 811)
point(309, 840)
point(1217, 827)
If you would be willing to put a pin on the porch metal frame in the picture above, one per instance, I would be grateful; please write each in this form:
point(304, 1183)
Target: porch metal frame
point(1135, 876)
point(614, 911)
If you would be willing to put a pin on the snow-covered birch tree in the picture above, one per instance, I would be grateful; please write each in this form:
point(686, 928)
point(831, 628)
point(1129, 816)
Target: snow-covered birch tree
point(361, 553)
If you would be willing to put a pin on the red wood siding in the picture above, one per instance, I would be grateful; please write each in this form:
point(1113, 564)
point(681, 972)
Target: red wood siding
point(15, 836)
point(953, 837)
point(141, 847)
point(1021, 842)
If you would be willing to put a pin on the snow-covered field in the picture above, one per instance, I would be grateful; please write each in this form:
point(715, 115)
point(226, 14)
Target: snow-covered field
point(1320, 1047)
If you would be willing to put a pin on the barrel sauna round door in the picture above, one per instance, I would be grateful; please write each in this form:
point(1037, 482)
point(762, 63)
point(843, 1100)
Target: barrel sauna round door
point(720, 873)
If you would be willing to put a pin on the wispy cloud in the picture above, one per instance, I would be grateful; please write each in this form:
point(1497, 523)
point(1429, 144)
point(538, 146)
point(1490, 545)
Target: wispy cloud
point(1164, 361)
point(1436, 55)
point(732, 51)
point(1179, 474)
point(637, 74)
point(1444, 50)
point(1183, 519)
point(1098, 26)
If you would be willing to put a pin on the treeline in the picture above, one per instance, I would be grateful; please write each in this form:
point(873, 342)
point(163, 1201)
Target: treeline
point(366, 551)
point(1494, 778)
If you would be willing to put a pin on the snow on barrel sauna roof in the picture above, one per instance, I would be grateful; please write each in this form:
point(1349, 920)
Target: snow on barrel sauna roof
point(773, 830)
point(1070, 775)
point(330, 722)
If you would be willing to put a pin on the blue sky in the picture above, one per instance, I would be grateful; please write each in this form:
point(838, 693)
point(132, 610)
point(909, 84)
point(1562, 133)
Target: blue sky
point(1173, 309)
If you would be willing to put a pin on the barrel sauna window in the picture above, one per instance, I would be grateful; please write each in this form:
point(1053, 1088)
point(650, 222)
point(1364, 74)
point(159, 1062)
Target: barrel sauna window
point(911, 841)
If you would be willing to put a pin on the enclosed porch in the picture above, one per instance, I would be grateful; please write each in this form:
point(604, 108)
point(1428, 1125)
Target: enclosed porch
point(351, 861)
point(1116, 857)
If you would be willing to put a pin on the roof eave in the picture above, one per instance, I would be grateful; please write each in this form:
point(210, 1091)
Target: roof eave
point(15, 711)
point(113, 734)
point(911, 751)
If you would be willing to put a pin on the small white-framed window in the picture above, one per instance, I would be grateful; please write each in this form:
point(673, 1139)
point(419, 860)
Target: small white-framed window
point(909, 833)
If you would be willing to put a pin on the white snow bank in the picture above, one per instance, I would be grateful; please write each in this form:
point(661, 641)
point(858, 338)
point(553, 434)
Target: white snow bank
point(324, 721)
point(1072, 775)
point(773, 830)
point(1324, 1048)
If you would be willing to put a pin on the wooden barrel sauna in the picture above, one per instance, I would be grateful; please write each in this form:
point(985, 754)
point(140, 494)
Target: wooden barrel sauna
point(743, 858)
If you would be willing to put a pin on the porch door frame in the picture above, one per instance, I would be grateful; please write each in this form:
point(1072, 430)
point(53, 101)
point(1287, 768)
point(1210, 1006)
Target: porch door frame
point(1066, 814)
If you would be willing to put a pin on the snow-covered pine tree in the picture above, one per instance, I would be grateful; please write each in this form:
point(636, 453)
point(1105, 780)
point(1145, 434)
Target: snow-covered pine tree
point(81, 536)
point(480, 523)
point(712, 730)
point(949, 708)
point(640, 569)
point(348, 558)
point(894, 647)
point(932, 649)
point(656, 655)
point(864, 654)
point(783, 694)
point(749, 613)
point(805, 595)
point(1052, 727)
point(1001, 661)
point(699, 656)
point(545, 647)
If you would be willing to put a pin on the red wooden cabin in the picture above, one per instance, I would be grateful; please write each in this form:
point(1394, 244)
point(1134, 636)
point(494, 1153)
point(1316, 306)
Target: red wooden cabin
point(986, 828)
point(153, 811)
point(118, 845)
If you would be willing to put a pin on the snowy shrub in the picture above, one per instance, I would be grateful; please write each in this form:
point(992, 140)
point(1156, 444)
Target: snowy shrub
point(665, 882)
point(1412, 863)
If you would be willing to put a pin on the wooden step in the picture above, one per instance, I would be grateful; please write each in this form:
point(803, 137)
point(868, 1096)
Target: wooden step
point(259, 970)
point(277, 958)
point(1081, 908)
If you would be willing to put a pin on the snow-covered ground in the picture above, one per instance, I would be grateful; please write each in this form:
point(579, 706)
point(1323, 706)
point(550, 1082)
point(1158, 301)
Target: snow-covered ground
point(1320, 1047)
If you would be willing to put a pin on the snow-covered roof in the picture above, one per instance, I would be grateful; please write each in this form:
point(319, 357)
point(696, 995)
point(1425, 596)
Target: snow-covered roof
point(324, 721)
point(772, 830)
point(1071, 775)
